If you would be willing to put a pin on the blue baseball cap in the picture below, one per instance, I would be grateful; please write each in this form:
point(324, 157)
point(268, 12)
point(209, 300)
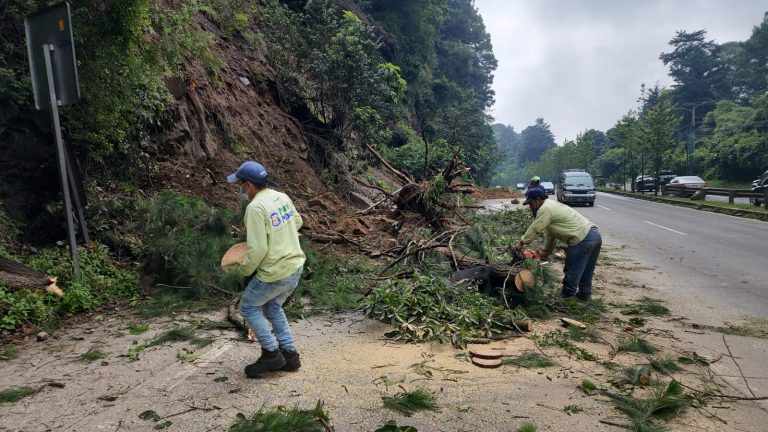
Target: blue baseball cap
point(534, 193)
point(251, 171)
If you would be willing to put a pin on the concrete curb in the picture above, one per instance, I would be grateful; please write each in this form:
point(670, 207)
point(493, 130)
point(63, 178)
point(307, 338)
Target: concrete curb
point(697, 205)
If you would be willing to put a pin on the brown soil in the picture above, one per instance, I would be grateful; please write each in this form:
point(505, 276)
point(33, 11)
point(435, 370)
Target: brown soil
point(486, 194)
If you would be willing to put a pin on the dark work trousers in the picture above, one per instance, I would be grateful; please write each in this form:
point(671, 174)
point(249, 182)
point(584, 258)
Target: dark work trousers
point(580, 260)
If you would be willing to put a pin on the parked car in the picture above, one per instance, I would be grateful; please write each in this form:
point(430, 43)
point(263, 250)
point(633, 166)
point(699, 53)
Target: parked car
point(684, 186)
point(666, 176)
point(759, 185)
point(549, 187)
point(645, 183)
point(760, 180)
point(575, 186)
point(520, 186)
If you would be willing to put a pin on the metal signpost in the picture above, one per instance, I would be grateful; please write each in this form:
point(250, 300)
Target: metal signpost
point(53, 68)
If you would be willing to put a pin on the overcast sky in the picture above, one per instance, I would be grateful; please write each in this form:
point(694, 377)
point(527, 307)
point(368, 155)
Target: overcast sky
point(579, 64)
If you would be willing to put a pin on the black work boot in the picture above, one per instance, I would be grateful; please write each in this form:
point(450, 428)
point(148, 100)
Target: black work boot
point(292, 362)
point(269, 361)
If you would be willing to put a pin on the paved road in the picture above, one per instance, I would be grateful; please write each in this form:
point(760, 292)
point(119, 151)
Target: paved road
point(715, 262)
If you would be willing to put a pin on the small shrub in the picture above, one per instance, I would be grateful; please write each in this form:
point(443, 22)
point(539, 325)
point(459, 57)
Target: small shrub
point(21, 307)
point(78, 298)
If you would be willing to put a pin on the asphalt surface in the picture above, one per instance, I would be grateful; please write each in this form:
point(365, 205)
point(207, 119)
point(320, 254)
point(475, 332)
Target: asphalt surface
point(706, 261)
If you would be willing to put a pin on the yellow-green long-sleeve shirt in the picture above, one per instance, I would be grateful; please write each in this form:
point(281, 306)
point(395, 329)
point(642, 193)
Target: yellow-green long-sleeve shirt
point(557, 222)
point(272, 224)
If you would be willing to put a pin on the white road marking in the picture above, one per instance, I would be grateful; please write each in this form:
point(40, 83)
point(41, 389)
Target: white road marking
point(663, 227)
point(603, 207)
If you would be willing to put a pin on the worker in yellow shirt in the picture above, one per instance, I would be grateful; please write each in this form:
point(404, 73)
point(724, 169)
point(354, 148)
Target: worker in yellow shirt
point(274, 254)
point(557, 221)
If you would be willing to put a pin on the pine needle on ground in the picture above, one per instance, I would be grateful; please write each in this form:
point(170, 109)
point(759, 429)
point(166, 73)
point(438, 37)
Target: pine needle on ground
point(282, 419)
point(408, 403)
point(529, 359)
point(13, 395)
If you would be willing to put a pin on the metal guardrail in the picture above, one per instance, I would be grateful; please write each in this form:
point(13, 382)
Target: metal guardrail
point(737, 193)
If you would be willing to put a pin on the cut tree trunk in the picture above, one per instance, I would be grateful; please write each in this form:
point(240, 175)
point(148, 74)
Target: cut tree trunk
point(498, 273)
point(19, 276)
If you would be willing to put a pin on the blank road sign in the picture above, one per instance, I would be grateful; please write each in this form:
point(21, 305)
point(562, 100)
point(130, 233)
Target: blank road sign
point(52, 26)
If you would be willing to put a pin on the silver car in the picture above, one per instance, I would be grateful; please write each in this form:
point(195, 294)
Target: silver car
point(683, 186)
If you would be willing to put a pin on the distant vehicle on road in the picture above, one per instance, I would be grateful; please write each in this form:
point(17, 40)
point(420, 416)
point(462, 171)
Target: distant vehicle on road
point(549, 187)
point(684, 186)
point(575, 186)
point(520, 186)
point(645, 183)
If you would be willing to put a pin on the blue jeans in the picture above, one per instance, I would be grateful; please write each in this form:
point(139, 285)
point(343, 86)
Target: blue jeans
point(270, 297)
point(580, 260)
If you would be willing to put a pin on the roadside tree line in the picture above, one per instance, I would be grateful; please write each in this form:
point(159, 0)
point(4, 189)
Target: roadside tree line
point(712, 122)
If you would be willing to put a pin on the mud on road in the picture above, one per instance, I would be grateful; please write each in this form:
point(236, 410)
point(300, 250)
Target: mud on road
point(350, 365)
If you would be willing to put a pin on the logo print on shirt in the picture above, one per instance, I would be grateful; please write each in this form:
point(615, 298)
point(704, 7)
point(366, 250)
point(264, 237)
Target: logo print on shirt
point(283, 214)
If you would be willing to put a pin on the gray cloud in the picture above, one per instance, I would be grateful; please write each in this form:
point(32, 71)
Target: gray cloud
point(580, 64)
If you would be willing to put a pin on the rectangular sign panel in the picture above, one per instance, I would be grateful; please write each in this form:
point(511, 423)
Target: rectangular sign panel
point(52, 26)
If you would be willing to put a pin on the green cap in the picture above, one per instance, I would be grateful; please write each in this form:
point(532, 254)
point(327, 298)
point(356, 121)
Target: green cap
point(536, 178)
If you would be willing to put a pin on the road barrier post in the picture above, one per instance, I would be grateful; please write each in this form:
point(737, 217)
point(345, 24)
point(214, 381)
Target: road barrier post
point(731, 196)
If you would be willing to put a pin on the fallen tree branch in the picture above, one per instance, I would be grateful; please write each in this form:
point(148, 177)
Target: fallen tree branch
point(413, 252)
point(384, 162)
point(738, 366)
point(370, 186)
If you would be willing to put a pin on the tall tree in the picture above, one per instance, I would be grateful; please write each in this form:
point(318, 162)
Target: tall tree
point(628, 132)
point(535, 140)
point(737, 148)
point(508, 141)
point(657, 128)
point(699, 76)
point(751, 76)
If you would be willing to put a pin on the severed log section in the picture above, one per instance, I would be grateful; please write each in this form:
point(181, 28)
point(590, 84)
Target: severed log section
point(472, 268)
point(20, 276)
